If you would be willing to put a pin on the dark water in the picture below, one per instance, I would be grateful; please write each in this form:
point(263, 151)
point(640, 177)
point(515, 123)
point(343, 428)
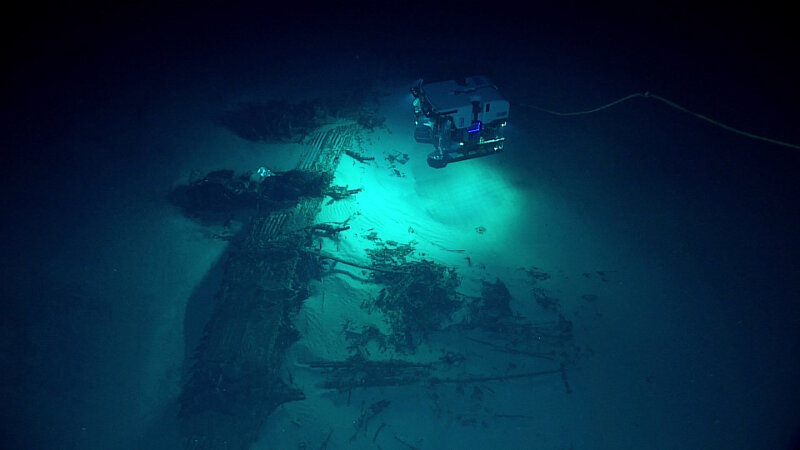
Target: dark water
point(95, 114)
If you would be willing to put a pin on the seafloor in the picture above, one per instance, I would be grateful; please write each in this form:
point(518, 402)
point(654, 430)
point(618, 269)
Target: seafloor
point(670, 245)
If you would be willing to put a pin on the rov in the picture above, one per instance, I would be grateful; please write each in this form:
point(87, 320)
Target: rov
point(463, 119)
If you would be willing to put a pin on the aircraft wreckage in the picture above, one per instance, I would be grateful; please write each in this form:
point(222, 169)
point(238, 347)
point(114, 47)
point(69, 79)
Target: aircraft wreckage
point(234, 383)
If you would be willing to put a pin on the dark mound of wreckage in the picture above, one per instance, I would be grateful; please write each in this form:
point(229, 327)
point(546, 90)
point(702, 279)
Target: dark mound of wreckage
point(275, 120)
point(221, 191)
point(281, 121)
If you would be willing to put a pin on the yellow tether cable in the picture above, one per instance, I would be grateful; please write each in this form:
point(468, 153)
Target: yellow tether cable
point(673, 105)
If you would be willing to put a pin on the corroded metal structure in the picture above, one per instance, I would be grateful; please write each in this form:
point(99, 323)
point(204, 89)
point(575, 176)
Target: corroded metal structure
point(234, 383)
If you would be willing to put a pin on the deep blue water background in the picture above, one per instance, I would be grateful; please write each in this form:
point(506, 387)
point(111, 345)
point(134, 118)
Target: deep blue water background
point(718, 211)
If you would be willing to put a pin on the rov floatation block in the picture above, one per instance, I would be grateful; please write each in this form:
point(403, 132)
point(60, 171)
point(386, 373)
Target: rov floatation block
point(463, 119)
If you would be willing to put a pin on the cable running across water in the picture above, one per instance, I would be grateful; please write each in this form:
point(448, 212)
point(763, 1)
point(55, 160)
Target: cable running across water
point(672, 105)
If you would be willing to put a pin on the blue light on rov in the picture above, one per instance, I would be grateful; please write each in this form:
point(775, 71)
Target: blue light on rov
point(475, 127)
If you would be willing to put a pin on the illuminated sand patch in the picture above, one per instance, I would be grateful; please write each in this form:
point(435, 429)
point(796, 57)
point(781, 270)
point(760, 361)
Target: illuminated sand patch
point(469, 195)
